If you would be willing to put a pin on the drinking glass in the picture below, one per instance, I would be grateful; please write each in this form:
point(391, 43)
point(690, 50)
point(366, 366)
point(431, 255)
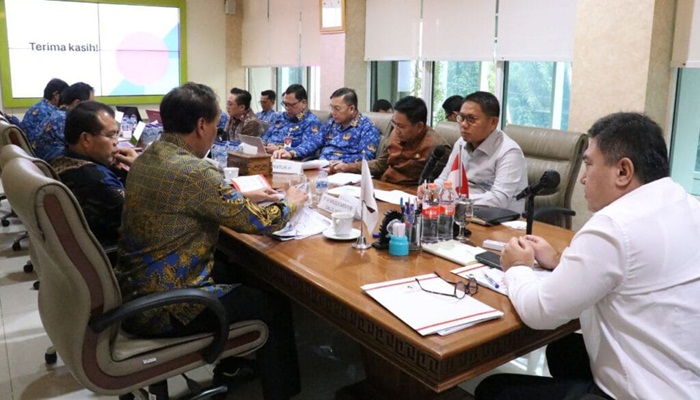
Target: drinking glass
point(464, 211)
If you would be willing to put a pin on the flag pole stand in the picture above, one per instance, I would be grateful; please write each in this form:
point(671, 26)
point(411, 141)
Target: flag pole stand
point(361, 242)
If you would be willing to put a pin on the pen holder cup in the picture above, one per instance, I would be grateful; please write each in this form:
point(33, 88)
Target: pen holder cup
point(414, 234)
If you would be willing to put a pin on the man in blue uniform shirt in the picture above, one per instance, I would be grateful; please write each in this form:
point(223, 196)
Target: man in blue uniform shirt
point(35, 115)
point(267, 102)
point(295, 126)
point(51, 142)
point(345, 137)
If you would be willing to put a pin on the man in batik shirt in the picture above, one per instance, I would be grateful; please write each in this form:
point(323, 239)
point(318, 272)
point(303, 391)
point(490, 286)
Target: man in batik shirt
point(175, 203)
point(35, 115)
point(242, 119)
point(295, 126)
point(348, 136)
point(51, 142)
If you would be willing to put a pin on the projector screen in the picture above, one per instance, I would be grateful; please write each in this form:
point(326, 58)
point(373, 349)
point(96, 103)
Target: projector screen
point(129, 53)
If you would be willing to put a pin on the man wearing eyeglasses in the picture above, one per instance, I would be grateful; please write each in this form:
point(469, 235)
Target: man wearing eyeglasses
point(403, 154)
point(494, 162)
point(348, 136)
point(88, 167)
point(296, 125)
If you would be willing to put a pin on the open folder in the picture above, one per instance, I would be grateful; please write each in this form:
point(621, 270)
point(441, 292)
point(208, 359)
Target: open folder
point(426, 312)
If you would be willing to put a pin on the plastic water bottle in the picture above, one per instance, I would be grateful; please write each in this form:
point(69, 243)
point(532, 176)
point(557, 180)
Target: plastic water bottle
point(321, 183)
point(448, 197)
point(431, 214)
point(132, 123)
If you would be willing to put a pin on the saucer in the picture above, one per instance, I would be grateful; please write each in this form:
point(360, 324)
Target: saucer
point(330, 234)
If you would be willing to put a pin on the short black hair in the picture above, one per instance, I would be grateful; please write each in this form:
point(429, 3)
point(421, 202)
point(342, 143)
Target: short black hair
point(634, 136)
point(54, 86)
point(349, 96)
point(414, 108)
point(84, 118)
point(452, 104)
point(77, 91)
point(487, 101)
point(298, 91)
point(382, 105)
point(243, 97)
point(270, 94)
point(183, 106)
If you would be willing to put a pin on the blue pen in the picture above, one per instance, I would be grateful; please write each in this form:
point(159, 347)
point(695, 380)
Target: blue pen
point(491, 281)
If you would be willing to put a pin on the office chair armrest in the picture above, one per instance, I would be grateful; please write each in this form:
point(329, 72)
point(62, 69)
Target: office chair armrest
point(157, 300)
point(542, 211)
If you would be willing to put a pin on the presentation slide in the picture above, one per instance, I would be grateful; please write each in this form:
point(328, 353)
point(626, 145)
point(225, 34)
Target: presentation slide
point(120, 50)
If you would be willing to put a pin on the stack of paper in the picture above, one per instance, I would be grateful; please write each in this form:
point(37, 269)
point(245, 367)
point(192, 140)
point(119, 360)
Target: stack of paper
point(426, 312)
point(344, 178)
point(492, 278)
point(453, 250)
point(306, 222)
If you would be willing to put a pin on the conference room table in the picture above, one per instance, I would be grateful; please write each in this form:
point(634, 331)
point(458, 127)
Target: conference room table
point(326, 276)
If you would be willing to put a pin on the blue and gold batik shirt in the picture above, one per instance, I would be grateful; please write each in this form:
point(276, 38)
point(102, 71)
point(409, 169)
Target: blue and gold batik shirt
point(35, 115)
point(344, 144)
point(302, 127)
point(175, 204)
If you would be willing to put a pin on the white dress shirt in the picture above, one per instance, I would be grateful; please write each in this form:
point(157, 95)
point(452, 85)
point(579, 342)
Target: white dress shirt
point(632, 276)
point(496, 171)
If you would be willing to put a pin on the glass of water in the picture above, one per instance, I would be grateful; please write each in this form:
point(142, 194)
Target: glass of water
point(464, 211)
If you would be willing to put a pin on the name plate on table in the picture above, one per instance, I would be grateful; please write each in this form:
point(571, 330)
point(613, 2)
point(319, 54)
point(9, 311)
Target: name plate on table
point(286, 167)
point(333, 204)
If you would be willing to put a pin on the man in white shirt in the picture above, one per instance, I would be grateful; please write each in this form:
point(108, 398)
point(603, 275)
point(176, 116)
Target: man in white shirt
point(631, 275)
point(494, 162)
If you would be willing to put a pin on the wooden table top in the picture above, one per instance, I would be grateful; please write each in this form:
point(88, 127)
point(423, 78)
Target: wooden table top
point(336, 270)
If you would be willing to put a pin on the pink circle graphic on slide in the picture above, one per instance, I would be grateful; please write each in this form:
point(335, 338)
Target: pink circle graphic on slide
point(142, 58)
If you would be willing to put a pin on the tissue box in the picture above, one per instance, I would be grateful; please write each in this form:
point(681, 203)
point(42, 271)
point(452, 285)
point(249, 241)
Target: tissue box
point(251, 164)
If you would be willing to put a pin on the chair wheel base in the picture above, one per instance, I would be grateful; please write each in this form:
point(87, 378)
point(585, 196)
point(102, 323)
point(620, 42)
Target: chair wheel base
point(28, 267)
point(36, 285)
point(50, 358)
point(5, 222)
point(16, 246)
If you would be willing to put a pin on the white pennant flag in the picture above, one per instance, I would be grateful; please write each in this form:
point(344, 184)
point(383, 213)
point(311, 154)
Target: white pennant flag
point(370, 214)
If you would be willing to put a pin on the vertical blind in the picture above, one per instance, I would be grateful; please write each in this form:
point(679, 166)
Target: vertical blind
point(280, 33)
point(686, 39)
point(465, 30)
point(536, 30)
point(458, 30)
point(392, 30)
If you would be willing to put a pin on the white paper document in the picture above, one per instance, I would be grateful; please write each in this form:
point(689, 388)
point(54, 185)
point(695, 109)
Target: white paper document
point(354, 191)
point(306, 222)
point(344, 178)
point(314, 164)
point(453, 250)
point(492, 278)
point(426, 312)
point(394, 196)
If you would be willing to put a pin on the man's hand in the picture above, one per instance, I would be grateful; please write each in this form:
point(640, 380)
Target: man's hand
point(296, 196)
point(547, 257)
point(421, 191)
point(518, 251)
point(337, 166)
point(262, 195)
point(271, 147)
point(282, 153)
point(125, 156)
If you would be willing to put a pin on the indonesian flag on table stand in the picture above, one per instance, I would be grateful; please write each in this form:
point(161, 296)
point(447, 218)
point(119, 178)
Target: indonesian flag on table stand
point(370, 214)
point(462, 187)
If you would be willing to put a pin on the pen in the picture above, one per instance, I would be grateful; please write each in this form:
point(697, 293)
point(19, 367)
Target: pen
point(491, 281)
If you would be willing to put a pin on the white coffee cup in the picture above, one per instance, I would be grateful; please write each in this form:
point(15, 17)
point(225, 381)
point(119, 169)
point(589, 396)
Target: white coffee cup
point(230, 173)
point(342, 223)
